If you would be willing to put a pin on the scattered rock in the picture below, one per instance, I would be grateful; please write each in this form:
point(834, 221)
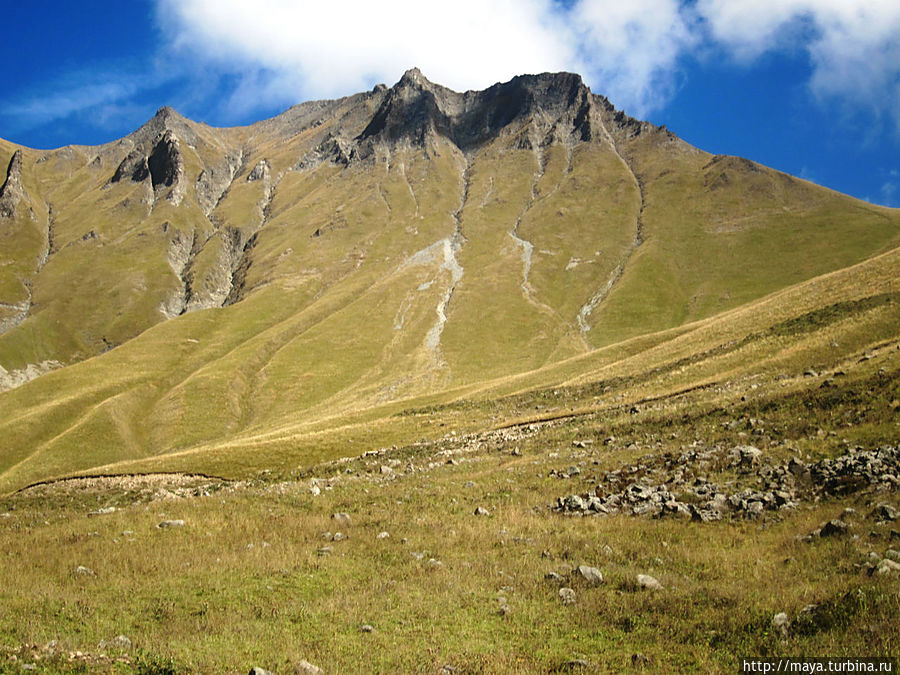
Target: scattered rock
point(382, 535)
point(170, 523)
point(101, 512)
point(366, 628)
point(630, 490)
point(341, 517)
point(589, 574)
point(567, 596)
point(325, 550)
point(554, 577)
point(892, 554)
point(256, 670)
point(431, 563)
point(577, 664)
point(306, 668)
point(81, 570)
point(339, 536)
point(119, 642)
point(887, 566)
point(481, 511)
point(640, 661)
point(884, 512)
point(833, 528)
point(782, 623)
point(648, 583)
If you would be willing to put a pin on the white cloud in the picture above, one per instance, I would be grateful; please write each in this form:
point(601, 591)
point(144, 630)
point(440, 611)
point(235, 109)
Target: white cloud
point(340, 47)
point(296, 49)
point(853, 45)
point(272, 53)
point(631, 49)
point(290, 50)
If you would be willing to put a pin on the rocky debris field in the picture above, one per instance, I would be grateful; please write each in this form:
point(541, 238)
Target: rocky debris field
point(749, 484)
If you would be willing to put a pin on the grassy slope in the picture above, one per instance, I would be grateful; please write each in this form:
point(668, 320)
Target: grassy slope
point(244, 573)
point(349, 271)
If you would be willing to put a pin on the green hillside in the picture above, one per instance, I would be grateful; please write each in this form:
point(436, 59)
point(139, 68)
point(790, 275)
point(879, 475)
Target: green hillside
point(294, 284)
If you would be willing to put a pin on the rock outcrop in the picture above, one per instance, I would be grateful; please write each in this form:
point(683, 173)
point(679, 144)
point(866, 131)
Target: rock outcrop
point(12, 192)
point(163, 165)
point(535, 110)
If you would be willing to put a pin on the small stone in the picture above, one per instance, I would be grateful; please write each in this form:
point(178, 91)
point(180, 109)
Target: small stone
point(640, 661)
point(339, 536)
point(434, 564)
point(782, 623)
point(481, 511)
point(170, 523)
point(590, 574)
point(648, 583)
point(886, 512)
point(325, 550)
point(256, 670)
point(382, 535)
point(417, 555)
point(888, 566)
point(315, 490)
point(341, 517)
point(892, 554)
point(554, 577)
point(834, 528)
point(366, 628)
point(103, 511)
point(81, 570)
point(469, 484)
point(386, 470)
point(306, 668)
point(119, 642)
point(572, 664)
point(567, 596)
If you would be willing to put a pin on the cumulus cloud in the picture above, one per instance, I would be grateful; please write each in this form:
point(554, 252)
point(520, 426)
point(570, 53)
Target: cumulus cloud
point(627, 50)
point(343, 46)
point(273, 53)
point(288, 50)
point(853, 45)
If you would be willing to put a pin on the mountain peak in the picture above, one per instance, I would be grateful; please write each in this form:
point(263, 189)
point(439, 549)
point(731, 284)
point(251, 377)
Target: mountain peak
point(556, 106)
point(413, 77)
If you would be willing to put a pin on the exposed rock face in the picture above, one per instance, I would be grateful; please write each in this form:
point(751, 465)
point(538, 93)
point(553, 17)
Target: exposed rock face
point(133, 167)
point(259, 172)
point(165, 162)
point(559, 104)
point(164, 166)
point(12, 191)
point(16, 378)
point(553, 107)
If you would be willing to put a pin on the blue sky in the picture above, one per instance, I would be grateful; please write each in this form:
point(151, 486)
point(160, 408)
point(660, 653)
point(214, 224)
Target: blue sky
point(810, 87)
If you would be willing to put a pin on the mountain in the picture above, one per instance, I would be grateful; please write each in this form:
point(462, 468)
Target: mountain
point(198, 298)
